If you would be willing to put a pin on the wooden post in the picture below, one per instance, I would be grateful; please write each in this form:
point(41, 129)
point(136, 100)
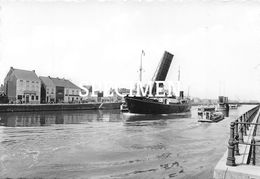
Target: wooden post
point(231, 157)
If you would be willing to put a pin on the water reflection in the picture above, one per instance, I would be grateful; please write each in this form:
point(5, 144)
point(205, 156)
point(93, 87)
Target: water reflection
point(151, 117)
point(31, 119)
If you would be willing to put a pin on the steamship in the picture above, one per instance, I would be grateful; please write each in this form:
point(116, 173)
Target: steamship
point(159, 105)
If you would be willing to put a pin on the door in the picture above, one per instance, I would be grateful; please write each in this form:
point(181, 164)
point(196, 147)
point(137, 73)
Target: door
point(27, 99)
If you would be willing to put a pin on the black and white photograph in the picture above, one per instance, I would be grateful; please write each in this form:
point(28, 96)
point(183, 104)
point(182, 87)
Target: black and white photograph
point(129, 89)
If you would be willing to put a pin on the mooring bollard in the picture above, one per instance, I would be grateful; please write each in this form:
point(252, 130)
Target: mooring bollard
point(236, 138)
point(231, 154)
point(253, 151)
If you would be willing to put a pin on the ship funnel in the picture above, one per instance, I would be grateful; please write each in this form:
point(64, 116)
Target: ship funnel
point(181, 94)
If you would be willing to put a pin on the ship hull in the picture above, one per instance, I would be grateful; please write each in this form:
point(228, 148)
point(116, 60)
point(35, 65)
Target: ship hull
point(142, 105)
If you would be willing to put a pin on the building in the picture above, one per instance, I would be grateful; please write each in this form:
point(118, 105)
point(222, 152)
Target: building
point(48, 90)
point(3, 97)
point(1, 90)
point(22, 86)
point(59, 90)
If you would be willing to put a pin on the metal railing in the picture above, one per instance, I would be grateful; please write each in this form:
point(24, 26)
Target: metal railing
point(238, 129)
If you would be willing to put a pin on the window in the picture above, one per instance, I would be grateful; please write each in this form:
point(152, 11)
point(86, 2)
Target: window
point(21, 82)
point(72, 91)
point(37, 97)
point(32, 97)
point(20, 97)
point(52, 91)
point(47, 90)
point(67, 91)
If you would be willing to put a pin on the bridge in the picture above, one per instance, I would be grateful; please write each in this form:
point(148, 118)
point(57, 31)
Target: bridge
point(245, 103)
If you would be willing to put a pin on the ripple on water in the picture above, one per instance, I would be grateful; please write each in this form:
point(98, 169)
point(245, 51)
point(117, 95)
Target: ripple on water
point(149, 147)
point(166, 170)
point(164, 148)
point(8, 141)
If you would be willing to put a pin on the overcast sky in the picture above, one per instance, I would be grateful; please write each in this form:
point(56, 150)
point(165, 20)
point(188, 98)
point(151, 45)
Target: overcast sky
point(215, 43)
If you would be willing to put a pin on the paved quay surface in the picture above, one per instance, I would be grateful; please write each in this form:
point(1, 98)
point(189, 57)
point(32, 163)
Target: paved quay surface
point(258, 147)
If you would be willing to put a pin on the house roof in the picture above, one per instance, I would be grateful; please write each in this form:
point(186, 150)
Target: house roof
point(47, 81)
point(25, 74)
point(64, 83)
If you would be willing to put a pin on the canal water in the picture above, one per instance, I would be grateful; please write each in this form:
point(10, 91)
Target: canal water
point(110, 144)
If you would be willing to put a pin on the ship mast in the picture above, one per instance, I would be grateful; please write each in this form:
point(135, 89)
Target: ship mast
point(179, 80)
point(141, 66)
point(179, 74)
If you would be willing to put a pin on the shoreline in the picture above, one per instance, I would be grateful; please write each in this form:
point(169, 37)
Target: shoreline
point(5, 108)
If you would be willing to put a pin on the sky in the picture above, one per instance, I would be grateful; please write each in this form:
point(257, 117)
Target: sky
point(216, 44)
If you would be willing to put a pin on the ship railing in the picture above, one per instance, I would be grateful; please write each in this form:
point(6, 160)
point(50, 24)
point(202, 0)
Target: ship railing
point(242, 141)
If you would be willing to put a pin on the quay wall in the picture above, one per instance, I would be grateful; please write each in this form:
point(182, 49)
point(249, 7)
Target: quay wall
point(56, 107)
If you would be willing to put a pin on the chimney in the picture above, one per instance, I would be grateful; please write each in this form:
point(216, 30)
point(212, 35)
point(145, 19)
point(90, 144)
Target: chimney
point(181, 94)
